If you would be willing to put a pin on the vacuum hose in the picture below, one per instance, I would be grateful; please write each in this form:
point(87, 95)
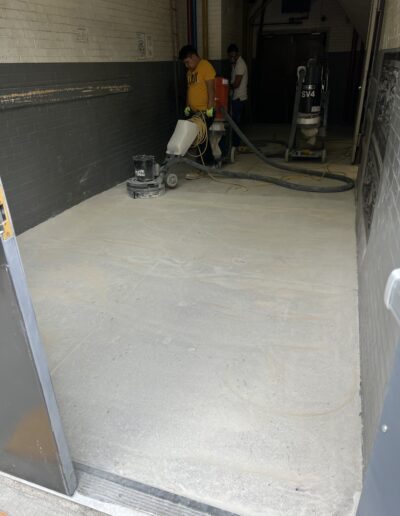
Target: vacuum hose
point(347, 182)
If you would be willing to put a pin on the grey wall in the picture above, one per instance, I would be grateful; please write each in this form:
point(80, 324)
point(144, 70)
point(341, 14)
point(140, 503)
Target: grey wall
point(56, 154)
point(378, 236)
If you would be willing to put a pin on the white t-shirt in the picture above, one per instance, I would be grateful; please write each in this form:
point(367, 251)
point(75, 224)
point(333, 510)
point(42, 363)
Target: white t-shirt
point(240, 68)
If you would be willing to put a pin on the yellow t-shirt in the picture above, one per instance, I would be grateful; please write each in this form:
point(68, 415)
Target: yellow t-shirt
point(197, 88)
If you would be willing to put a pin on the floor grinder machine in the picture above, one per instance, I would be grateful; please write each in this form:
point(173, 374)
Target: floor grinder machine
point(151, 179)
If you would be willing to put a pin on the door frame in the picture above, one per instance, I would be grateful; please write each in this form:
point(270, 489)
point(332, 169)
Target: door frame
point(32, 440)
point(371, 50)
point(290, 32)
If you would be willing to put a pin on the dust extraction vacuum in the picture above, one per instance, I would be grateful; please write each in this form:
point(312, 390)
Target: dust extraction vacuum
point(310, 112)
point(151, 179)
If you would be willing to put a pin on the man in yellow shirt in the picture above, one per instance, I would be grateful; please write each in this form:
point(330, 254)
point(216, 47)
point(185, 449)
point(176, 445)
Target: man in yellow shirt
point(200, 91)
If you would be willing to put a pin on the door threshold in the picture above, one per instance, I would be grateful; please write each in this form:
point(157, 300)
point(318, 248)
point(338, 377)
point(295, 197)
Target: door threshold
point(114, 495)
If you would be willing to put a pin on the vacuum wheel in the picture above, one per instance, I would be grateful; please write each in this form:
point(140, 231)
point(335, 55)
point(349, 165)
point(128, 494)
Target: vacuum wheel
point(171, 180)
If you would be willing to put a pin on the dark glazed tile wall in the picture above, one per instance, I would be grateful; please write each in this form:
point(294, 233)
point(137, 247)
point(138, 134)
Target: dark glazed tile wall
point(55, 155)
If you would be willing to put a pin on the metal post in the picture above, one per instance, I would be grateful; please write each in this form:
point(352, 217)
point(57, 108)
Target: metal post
point(205, 28)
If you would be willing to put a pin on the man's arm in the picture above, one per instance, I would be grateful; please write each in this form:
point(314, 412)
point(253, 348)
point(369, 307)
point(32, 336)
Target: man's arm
point(237, 81)
point(240, 70)
point(211, 94)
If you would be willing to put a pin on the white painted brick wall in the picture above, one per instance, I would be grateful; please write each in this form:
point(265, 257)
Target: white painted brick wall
point(338, 26)
point(391, 25)
point(79, 30)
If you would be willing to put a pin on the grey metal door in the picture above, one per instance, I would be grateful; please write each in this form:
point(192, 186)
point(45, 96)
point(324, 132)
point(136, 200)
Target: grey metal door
point(32, 442)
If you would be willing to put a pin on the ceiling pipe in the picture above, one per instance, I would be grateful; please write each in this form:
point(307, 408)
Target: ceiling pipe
point(245, 30)
point(189, 21)
point(194, 23)
point(205, 28)
point(175, 50)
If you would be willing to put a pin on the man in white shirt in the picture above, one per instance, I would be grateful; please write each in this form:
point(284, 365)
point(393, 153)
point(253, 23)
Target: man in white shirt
point(239, 79)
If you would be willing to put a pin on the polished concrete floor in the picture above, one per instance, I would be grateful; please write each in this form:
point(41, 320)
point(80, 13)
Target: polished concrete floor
point(206, 342)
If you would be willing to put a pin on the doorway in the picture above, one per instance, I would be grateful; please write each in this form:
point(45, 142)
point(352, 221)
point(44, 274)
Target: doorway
point(278, 57)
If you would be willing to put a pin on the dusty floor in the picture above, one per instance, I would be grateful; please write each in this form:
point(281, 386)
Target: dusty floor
point(17, 499)
point(206, 342)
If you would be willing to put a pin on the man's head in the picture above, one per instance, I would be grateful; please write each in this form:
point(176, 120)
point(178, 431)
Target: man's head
point(233, 53)
point(188, 54)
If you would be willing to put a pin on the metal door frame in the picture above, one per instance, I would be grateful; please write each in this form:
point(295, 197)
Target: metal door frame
point(372, 48)
point(32, 441)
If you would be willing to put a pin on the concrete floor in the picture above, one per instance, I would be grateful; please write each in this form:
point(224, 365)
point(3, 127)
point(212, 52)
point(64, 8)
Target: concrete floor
point(206, 342)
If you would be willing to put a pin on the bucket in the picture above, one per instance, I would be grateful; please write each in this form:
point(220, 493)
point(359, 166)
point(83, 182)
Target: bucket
point(144, 167)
